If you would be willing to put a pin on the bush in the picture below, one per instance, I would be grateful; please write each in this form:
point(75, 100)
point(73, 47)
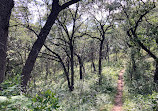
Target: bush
point(45, 101)
point(12, 99)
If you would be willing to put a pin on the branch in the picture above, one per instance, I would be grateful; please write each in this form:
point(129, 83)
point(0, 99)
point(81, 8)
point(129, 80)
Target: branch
point(107, 28)
point(49, 58)
point(139, 20)
point(60, 60)
point(28, 27)
point(96, 38)
point(83, 34)
point(69, 3)
point(143, 46)
point(48, 54)
point(58, 56)
point(64, 27)
point(74, 20)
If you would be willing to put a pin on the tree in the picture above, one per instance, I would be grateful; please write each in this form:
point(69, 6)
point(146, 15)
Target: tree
point(65, 41)
point(92, 54)
point(102, 26)
point(28, 67)
point(5, 12)
point(134, 16)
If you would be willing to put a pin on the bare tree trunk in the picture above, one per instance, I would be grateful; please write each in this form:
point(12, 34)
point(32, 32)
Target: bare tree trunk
point(72, 65)
point(67, 75)
point(156, 73)
point(66, 71)
point(5, 12)
point(80, 65)
point(84, 71)
point(92, 58)
point(133, 70)
point(107, 51)
point(93, 65)
point(100, 62)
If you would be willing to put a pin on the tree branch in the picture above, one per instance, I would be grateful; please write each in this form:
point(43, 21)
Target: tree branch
point(69, 3)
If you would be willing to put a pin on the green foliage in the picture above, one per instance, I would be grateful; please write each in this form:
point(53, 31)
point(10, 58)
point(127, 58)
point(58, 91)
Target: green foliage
point(46, 100)
point(139, 79)
point(87, 94)
point(154, 99)
point(133, 102)
point(15, 103)
point(139, 89)
point(12, 99)
point(11, 86)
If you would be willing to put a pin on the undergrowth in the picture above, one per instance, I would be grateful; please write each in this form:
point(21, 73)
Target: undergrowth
point(140, 92)
point(53, 94)
point(87, 94)
point(12, 99)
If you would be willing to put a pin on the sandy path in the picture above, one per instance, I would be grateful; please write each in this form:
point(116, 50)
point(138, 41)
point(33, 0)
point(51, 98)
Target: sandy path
point(118, 97)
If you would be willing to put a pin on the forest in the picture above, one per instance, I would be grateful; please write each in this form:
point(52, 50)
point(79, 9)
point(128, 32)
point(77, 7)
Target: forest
point(78, 55)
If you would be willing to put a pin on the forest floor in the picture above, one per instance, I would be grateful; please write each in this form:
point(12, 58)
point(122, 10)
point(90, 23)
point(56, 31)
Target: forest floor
point(118, 98)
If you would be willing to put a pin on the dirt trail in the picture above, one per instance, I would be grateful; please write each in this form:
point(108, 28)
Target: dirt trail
point(118, 97)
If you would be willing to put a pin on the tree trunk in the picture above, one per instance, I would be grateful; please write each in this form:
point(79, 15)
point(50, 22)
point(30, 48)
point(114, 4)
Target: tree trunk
point(47, 66)
point(84, 71)
point(156, 73)
point(133, 68)
point(67, 75)
point(26, 72)
point(81, 74)
point(93, 66)
point(66, 71)
point(80, 65)
point(107, 51)
point(72, 65)
point(116, 55)
point(92, 58)
point(5, 12)
point(100, 62)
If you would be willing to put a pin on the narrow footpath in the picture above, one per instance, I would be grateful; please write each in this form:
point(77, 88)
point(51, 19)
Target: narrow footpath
point(118, 98)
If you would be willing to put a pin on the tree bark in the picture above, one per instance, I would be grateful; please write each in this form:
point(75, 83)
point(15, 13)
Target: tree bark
point(93, 66)
point(28, 67)
point(72, 65)
point(92, 58)
point(80, 65)
point(100, 62)
point(107, 51)
point(5, 12)
point(156, 73)
point(66, 73)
